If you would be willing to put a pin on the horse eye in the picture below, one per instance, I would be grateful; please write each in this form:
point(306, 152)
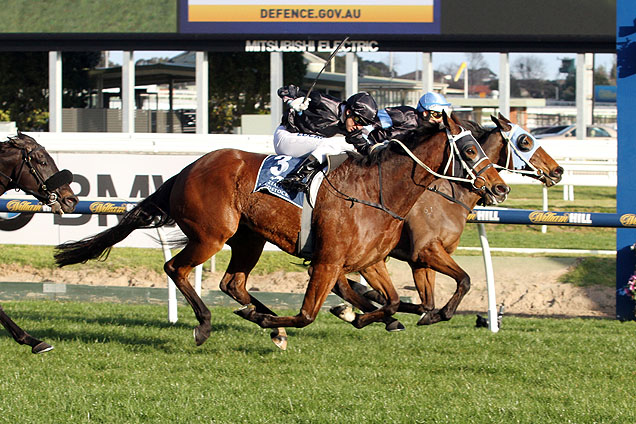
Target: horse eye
point(470, 151)
point(525, 143)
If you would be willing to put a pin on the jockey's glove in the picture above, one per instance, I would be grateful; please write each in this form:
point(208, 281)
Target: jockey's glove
point(300, 104)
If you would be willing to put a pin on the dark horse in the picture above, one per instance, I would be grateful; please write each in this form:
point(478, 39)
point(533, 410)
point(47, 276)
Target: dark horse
point(434, 225)
point(213, 202)
point(27, 166)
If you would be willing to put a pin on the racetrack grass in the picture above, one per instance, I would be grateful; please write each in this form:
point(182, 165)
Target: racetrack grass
point(125, 363)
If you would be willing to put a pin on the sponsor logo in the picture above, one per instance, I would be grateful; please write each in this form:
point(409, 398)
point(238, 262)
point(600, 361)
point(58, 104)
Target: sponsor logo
point(480, 215)
point(579, 218)
point(322, 46)
point(106, 207)
point(490, 216)
point(539, 217)
point(628, 220)
point(23, 206)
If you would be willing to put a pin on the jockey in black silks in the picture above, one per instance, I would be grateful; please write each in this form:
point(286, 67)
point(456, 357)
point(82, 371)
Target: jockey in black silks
point(309, 125)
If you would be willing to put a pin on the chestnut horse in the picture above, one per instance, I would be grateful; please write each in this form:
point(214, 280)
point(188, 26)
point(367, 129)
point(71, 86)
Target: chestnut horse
point(27, 166)
point(434, 225)
point(213, 202)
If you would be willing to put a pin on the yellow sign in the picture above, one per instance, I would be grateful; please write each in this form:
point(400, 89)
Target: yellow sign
point(459, 71)
point(313, 11)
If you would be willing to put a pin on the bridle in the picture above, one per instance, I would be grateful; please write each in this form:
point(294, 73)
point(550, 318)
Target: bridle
point(456, 162)
point(520, 158)
point(49, 186)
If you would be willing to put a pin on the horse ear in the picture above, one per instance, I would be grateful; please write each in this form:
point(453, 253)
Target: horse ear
point(503, 118)
point(451, 124)
point(501, 122)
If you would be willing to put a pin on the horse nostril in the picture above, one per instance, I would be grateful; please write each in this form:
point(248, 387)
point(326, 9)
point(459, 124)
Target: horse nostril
point(557, 172)
point(71, 201)
point(502, 189)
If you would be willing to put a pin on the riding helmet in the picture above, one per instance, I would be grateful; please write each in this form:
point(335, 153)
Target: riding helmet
point(432, 101)
point(363, 106)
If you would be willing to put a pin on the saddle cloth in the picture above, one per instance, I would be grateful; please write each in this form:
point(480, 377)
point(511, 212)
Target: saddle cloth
point(276, 167)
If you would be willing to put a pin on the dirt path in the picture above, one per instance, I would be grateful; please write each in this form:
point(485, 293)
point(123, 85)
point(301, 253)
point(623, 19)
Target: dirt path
point(525, 285)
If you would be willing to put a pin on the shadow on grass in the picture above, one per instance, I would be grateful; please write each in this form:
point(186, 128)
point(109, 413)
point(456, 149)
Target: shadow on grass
point(104, 329)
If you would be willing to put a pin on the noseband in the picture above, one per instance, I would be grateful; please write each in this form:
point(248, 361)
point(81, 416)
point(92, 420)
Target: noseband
point(464, 168)
point(49, 187)
point(514, 154)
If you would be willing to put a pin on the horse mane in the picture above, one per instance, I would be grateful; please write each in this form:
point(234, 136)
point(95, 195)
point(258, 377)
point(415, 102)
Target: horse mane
point(479, 132)
point(410, 139)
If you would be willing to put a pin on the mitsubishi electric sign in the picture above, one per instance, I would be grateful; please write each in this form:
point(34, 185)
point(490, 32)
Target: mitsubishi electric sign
point(354, 17)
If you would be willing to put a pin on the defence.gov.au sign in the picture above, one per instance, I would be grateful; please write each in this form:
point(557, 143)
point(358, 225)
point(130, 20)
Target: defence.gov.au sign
point(312, 17)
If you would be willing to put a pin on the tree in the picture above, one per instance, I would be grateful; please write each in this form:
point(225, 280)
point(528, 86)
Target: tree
point(24, 85)
point(243, 85)
point(529, 68)
point(476, 61)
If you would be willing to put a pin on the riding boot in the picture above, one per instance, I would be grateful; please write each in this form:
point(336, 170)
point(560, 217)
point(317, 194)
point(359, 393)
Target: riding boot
point(294, 180)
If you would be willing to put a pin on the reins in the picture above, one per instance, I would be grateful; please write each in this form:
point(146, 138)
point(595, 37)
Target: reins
point(51, 197)
point(454, 152)
point(379, 206)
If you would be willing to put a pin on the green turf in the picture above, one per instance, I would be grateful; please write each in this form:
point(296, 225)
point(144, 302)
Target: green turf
point(88, 16)
point(123, 363)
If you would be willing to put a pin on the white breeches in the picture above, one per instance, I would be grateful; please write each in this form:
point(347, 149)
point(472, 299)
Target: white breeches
point(299, 144)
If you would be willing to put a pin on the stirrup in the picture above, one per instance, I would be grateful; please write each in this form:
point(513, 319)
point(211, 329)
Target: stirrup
point(297, 185)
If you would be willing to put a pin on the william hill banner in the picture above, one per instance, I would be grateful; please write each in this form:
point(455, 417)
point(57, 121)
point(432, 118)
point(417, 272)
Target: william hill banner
point(311, 17)
point(532, 217)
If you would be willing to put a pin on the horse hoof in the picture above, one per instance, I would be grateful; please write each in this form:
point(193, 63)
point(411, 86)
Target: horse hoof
point(344, 312)
point(428, 318)
point(200, 335)
point(245, 311)
point(41, 347)
point(394, 326)
point(279, 337)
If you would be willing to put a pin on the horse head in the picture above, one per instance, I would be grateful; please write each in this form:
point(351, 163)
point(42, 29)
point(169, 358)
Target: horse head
point(473, 163)
point(26, 165)
point(525, 155)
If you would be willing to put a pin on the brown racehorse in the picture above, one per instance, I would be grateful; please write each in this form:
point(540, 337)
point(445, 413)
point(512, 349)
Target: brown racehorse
point(26, 165)
point(213, 202)
point(434, 225)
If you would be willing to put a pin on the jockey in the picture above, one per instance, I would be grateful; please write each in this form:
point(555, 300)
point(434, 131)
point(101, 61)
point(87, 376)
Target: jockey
point(431, 105)
point(397, 121)
point(309, 125)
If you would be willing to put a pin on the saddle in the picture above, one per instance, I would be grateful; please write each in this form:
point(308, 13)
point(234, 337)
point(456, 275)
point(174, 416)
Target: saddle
point(273, 169)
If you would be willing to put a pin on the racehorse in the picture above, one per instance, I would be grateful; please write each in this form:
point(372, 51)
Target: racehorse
point(213, 202)
point(27, 166)
point(434, 225)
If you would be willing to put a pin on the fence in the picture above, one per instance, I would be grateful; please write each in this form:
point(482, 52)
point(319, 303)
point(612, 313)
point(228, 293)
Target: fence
point(480, 217)
point(138, 160)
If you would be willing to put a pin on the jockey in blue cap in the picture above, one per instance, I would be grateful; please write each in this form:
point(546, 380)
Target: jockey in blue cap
point(395, 122)
point(431, 105)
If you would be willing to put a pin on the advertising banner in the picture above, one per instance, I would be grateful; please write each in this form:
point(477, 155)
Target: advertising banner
point(101, 178)
point(351, 17)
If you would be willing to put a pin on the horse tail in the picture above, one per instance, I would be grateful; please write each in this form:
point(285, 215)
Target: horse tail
point(152, 212)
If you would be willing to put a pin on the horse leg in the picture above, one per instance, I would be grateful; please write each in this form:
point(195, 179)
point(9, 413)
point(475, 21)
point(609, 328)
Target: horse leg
point(322, 280)
point(378, 276)
point(440, 261)
point(21, 336)
point(247, 248)
point(179, 267)
point(344, 289)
